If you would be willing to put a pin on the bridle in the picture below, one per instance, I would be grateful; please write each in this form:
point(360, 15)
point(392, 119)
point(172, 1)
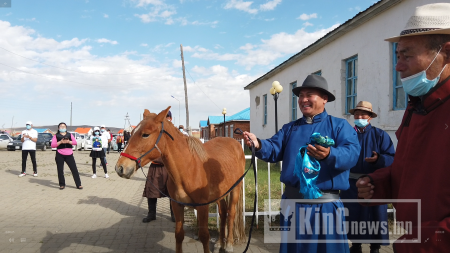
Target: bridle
point(139, 159)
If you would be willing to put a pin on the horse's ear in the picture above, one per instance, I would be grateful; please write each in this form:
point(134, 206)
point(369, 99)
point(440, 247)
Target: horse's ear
point(146, 113)
point(162, 115)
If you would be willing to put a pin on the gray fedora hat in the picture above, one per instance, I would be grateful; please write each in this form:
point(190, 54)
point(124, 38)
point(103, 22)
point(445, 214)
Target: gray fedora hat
point(314, 81)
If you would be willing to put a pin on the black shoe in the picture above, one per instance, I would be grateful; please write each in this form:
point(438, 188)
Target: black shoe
point(375, 249)
point(356, 249)
point(150, 217)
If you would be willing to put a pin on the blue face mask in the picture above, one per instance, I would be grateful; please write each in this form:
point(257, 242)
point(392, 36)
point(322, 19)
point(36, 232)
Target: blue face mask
point(418, 85)
point(62, 130)
point(361, 122)
point(28, 127)
point(97, 133)
point(103, 130)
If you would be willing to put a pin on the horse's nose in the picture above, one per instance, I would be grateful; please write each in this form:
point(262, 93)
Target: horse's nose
point(119, 170)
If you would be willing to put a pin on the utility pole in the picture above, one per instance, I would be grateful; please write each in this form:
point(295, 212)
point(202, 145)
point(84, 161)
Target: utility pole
point(71, 116)
point(185, 89)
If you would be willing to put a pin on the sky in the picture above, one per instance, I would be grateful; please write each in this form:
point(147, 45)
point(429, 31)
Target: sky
point(113, 58)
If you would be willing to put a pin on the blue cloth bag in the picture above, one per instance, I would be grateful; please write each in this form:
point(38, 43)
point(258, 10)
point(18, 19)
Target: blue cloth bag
point(307, 168)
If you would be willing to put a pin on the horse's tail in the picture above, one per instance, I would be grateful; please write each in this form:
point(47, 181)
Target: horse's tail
point(239, 227)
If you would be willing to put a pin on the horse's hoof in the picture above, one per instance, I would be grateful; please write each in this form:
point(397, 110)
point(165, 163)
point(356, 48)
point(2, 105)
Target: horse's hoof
point(229, 249)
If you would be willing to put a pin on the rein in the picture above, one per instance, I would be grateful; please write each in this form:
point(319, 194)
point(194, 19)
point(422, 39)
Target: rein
point(252, 163)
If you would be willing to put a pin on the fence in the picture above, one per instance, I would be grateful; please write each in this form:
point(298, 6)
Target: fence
point(270, 212)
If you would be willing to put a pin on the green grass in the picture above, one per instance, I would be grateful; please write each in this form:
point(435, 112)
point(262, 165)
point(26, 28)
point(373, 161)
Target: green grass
point(263, 187)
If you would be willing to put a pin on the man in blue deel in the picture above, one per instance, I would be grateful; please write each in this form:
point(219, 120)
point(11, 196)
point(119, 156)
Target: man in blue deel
point(377, 151)
point(335, 163)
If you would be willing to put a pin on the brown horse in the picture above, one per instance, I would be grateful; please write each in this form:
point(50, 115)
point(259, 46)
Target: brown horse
point(198, 173)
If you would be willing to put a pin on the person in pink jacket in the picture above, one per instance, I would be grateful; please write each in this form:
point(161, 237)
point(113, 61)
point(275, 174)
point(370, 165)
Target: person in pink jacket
point(63, 142)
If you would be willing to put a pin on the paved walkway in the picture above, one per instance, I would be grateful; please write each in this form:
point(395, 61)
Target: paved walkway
point(106, 216)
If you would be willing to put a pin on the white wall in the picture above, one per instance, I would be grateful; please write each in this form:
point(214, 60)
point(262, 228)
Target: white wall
point(375, 71)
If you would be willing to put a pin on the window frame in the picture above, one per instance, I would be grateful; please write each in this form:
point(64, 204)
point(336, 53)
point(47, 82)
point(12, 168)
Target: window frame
point(395, 85)
point(353, 78)
point(294, 102)
point(265, 110)
point(319, 73)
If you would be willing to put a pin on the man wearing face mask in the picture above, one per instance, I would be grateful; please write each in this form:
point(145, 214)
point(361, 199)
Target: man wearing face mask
point(377, 151)
point(29, 138)
point(106, 139)
point(421, 165)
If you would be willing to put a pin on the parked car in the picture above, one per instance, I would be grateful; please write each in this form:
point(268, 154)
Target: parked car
point(87, 143)
point(5, 140)
point(82, 137)
point(42, 143)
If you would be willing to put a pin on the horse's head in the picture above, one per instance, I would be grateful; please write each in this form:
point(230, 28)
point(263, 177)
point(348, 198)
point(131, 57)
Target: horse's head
point(143, 139)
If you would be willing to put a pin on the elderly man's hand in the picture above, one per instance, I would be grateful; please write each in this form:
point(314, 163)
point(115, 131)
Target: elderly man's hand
point(372, 159)
point(317, 151)
point(249, 136)
point(365, 188)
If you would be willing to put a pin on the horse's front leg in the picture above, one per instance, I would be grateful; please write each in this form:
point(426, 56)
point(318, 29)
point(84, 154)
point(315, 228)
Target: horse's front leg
point(178, 211)
point(220, 245)
point(202, 222)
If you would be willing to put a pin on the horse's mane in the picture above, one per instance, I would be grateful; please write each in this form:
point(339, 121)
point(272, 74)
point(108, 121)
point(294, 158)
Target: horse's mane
point(196, 147)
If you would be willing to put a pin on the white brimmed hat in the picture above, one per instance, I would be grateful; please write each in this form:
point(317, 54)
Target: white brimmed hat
point(427, 19)
point(102, 126)
point(363, 106)
point(96, 129)
point(29, 123)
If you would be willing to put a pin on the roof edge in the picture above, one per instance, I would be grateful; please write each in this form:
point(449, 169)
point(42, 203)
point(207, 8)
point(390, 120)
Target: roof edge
point(341, 30)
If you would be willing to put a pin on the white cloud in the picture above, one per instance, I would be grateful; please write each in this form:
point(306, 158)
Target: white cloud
point(241, 5)
point(357, 8)
point(28, 19)
point(143, 3)
point(105, 15)
point(103, 40)
point(269, 5)
point(121, 93)
point(269, 19)
point(144, 44)
point(306, 24)
point(162, 13)
point(305, 16)
point(277, 46)
point(247, 6)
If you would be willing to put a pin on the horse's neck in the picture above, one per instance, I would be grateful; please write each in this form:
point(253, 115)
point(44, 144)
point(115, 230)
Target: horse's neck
point(178, 160)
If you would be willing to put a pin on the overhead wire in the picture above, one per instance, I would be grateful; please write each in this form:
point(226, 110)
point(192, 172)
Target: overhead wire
point(202, 90)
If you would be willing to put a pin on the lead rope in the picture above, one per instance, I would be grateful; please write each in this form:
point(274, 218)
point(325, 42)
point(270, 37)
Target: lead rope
point(252, 163)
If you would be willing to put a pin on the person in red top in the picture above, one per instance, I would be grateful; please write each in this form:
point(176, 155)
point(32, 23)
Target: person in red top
point(421, 165)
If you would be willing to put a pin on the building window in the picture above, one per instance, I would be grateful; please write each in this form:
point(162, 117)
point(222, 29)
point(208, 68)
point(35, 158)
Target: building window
point(294, 103)
point(215, 132)
point(231, 131)
point(351, 81)
point(400, 97)
point(319, 73)
point(226, 131)
point(265, 109)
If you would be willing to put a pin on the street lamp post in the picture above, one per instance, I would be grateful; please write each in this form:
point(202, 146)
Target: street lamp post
point(275, 91)
point(178, 110)
point(224, 111)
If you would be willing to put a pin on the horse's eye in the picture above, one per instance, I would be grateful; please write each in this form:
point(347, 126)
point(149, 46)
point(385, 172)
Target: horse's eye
point(145, 135)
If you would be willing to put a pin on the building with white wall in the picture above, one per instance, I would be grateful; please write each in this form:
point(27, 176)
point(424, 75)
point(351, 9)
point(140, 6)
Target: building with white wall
point(357, 63)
